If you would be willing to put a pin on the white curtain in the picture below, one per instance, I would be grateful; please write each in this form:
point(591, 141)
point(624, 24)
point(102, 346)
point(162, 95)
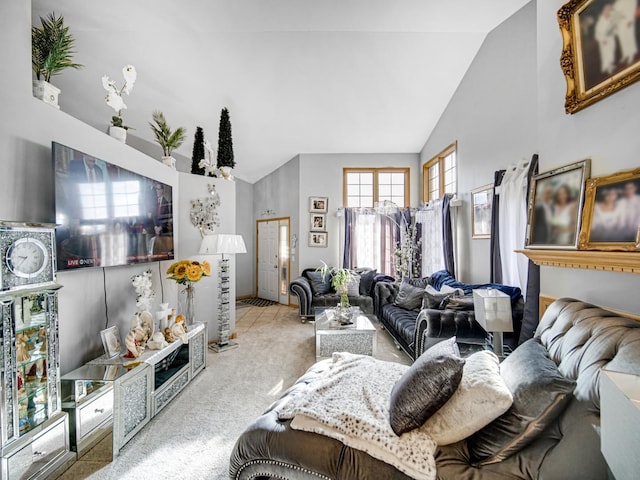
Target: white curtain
point(370, 242)
point(432, 249)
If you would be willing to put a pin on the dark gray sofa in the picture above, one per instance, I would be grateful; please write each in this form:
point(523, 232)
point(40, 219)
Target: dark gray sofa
point(580, 338)
point(307, 300)
point(415, 331)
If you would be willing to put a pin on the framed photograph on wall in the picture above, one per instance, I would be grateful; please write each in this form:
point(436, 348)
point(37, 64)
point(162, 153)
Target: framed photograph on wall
point(318, 222)
point(555, 207)
point(600, 53)
point(481, 206)
point(318, 239)
point(318, 204)
point(611, 219)
point(111, 341)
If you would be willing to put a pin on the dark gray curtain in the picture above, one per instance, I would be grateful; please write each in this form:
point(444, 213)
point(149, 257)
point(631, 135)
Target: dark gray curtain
point(496, 262)
point(348, 218)
point(448, 240)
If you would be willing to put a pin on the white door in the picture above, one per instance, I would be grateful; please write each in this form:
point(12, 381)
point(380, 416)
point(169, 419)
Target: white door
point(268, 261)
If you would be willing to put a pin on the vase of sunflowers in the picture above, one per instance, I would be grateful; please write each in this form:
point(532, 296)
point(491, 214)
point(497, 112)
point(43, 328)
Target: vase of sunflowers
point(188, 272)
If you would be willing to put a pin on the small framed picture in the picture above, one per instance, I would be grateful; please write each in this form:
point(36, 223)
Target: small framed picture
point(481, 206)
point(111, 341)
point(611, 219)
point(318, 239)
point(318, 204)
point(318, 222)
point(555, 207)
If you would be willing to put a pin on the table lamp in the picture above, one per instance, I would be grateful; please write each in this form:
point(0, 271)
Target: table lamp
point(493, 312)
point(223, 244)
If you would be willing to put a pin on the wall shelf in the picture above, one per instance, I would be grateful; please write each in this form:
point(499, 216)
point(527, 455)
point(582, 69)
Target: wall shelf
point(626, 262)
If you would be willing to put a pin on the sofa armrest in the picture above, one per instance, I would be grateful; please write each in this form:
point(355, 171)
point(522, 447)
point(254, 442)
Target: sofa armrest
point(301, 288)
point(433, 326)
point(384, 293)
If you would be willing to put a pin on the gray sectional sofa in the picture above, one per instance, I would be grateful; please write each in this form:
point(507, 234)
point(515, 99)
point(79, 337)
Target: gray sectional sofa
point(579, 338)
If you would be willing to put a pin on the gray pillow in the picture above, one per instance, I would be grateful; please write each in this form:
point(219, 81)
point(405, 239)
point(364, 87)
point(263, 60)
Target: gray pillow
point(436, 301)
point(318, 285)
point(409, 297)
point(367, 276)
point(426, 386)
point(540, 394)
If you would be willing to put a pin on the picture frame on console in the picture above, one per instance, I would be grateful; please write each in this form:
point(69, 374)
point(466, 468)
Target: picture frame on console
point(318, 239)
point(111, 341)
point(600, 53)
point(318, 222)
point(318, 204)
point(481, 206)
point(555, 207)
point(611, 217)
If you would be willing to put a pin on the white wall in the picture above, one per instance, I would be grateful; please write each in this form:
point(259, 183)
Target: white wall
point(607, 132)
point(245, 226)
point(321, 176)
point(493, 118)
point(27, 127)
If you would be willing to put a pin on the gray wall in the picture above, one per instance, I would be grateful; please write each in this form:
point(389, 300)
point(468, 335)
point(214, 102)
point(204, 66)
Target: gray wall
point(492, 116)
point(511, 105)
point(245, 226)
point(27, 127)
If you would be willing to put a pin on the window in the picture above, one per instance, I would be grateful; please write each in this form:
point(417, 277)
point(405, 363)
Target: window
point(439, 175)
point(363, 187)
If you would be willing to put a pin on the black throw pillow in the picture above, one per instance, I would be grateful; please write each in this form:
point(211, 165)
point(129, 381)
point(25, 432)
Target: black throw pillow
point(367, 276)
point(318, 285)
point(426, 386)
point(436, 301)
point(409, 297)
point(540, 394)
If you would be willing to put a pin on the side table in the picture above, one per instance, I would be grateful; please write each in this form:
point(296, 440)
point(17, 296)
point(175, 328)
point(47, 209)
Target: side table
point(331, 336)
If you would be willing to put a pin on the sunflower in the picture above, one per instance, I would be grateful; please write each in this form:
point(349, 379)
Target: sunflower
point(176, 265)
point(180, 271)
point(206, 268)
point(194, 273)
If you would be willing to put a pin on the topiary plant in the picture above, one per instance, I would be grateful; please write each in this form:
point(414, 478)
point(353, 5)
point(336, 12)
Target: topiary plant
point(52, 48)
point(167, 139)
point(225, 142)
point(198, 152)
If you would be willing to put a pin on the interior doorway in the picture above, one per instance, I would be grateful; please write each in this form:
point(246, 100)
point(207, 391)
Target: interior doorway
point(273, 259)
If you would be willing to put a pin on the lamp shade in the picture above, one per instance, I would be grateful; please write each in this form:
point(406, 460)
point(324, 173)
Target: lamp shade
point(222, 244)
point(493, 310)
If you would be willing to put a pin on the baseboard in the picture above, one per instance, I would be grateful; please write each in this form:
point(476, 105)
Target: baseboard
point(244, 297)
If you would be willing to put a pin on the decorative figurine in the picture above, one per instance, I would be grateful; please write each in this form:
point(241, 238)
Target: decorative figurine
point(168, 336)
point(134, 342)
point(157, 341)
point(22, 347)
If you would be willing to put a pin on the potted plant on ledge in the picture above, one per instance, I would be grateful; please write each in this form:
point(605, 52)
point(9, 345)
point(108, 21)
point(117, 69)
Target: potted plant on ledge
point(118, 129)
point(167, 139)
point(225, 159)
point(51, 52)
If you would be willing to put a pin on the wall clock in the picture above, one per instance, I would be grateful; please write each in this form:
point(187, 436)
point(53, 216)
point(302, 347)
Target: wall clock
point(28, 255)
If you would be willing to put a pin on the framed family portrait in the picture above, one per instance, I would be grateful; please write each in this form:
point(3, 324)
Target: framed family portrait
point(611, 219)
point(318, 204)
point(600, 49)
point(317, 239)
point(111, 341)
point(318, 222)
point(555, 207)
point(481, 206)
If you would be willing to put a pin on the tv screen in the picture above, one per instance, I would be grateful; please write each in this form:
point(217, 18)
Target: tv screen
point(108, 215)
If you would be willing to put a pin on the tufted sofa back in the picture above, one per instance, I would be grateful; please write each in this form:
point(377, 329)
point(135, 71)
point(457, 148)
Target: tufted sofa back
point(582, 339)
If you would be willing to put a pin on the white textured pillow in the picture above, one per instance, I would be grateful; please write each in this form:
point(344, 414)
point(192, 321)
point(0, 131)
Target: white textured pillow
point(353, 287)
point(481, 397)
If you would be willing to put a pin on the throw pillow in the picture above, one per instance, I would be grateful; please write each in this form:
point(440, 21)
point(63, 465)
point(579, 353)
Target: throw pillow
point(367, 276)
point(426, 386)
point(540, 394)
point(353, 287)
point(460, 303)
point(318, 285)
point(437, 300)
point(481, 397)
point(409, 297)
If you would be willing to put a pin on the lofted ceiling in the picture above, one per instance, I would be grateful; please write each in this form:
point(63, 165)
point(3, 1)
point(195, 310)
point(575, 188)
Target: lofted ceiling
point(298, 76)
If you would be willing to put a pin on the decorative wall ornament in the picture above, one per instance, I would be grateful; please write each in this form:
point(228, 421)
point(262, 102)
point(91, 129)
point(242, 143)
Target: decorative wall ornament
point(592, 65)
point(204, 212)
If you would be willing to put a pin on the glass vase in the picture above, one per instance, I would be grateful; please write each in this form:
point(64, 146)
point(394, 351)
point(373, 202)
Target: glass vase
point(186, 303)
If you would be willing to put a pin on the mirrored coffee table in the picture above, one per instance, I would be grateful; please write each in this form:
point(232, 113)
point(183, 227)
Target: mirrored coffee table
point(331, 336)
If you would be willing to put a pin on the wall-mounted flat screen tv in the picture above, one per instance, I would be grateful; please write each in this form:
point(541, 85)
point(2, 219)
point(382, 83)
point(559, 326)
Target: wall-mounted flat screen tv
point(108, 215)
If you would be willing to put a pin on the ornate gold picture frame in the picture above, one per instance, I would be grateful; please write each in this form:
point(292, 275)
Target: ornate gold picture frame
point(611, 215)
point(601, 49)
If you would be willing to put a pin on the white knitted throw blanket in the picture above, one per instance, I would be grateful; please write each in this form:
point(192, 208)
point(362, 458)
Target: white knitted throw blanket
point(350, 402)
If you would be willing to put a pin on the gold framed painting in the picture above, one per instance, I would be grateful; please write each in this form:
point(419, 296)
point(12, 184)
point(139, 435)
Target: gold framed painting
point(600, 52)
point(611, 216)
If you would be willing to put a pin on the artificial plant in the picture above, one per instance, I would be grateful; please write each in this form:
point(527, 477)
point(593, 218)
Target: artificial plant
point(52, 47)
point(198, 152)
point(167, 139)
point(225, 142)
point(340, 278)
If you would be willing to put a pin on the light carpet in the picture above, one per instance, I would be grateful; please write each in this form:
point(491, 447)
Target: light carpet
point(193, 436)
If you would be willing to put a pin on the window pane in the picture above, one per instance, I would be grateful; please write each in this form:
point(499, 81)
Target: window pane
point(398, 201)
point(397, 190)
point(384, 191)
point(366, 178)
point(353, 178)
point(384, 178)
point(397, 178)
point(353, 190)
point(366, 202)
point(353, 201)
point(366, 190)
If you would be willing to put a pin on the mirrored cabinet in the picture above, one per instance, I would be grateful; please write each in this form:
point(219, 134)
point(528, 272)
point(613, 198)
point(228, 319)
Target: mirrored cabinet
point(33, 427)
